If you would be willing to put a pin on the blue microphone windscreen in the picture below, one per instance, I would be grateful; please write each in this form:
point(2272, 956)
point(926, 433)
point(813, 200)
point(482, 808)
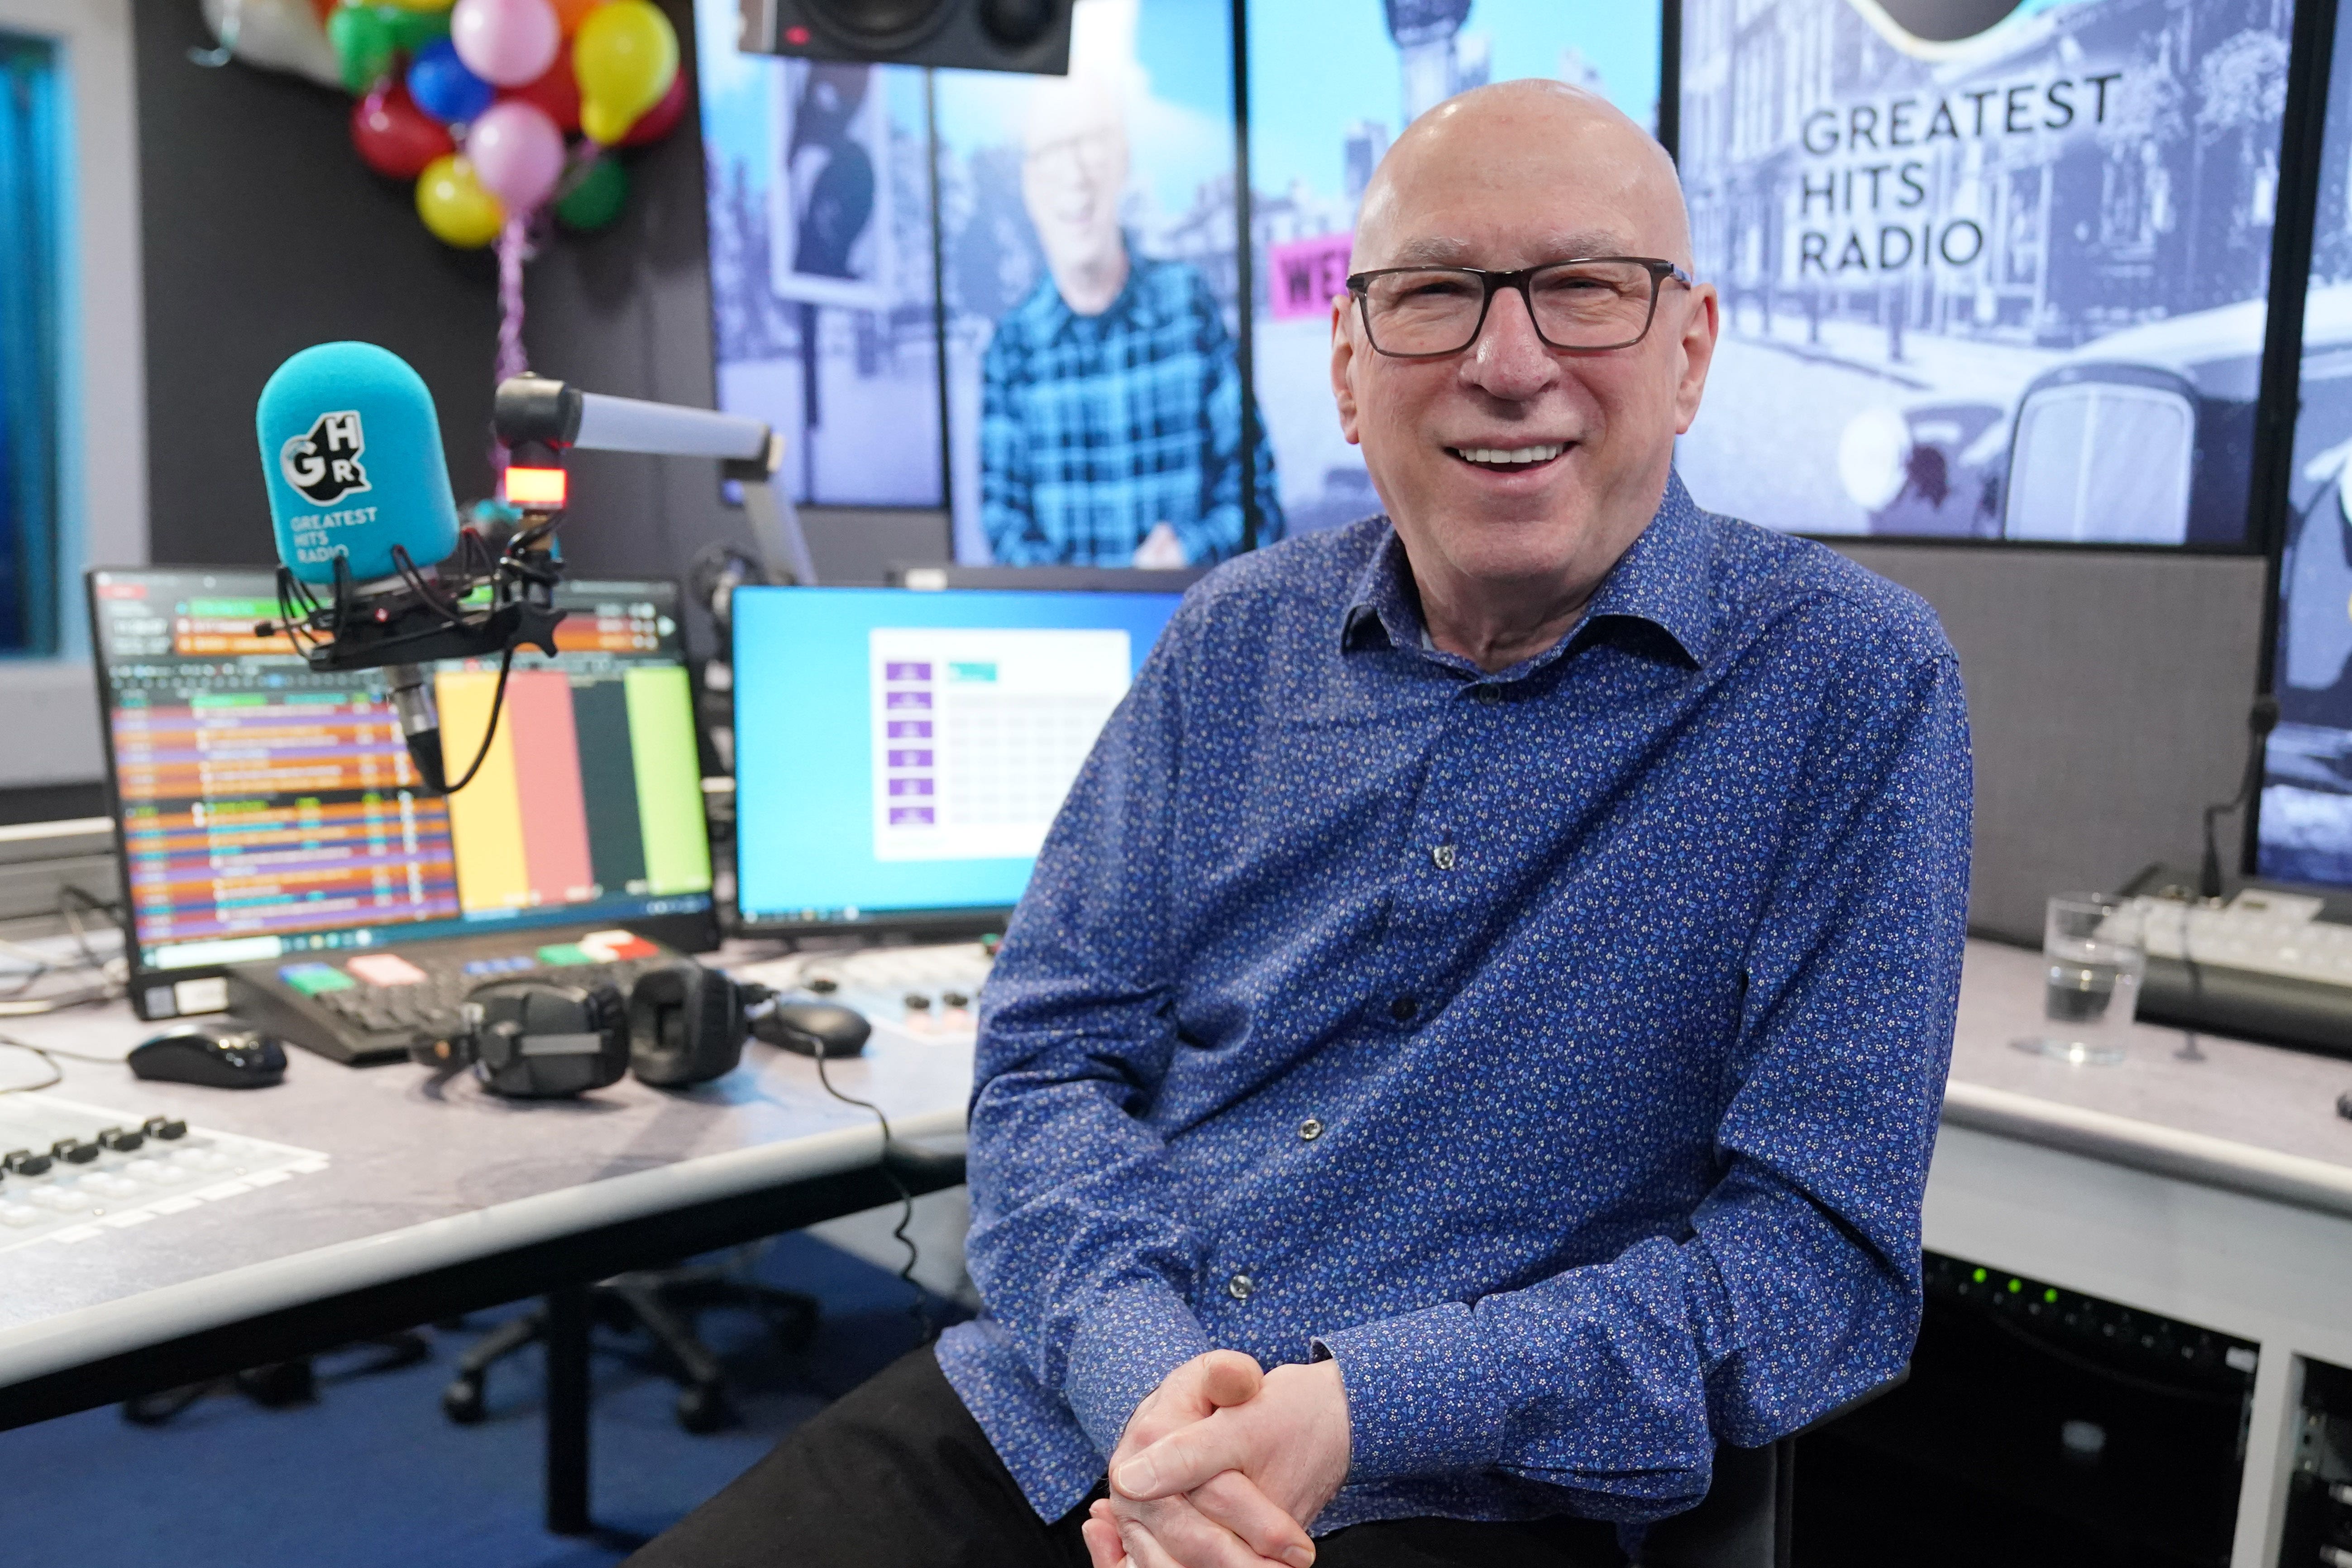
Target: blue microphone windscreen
point(351, 449)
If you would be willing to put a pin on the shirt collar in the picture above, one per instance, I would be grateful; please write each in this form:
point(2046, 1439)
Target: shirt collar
point(1058, 320)
point(1660, 581)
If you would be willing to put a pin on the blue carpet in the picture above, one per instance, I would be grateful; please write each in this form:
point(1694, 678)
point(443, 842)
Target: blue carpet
point(373, 1475)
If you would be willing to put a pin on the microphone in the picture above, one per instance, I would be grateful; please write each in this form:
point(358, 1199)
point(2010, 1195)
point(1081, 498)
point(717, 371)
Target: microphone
point(359, 488)
point(351, 449)
point(360, 500)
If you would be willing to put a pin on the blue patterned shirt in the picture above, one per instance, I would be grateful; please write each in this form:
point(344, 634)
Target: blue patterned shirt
point(1560, 1049)
point(1094, 429)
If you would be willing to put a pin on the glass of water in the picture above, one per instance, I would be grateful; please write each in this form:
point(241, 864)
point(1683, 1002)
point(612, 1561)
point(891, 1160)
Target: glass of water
point(2094, 953)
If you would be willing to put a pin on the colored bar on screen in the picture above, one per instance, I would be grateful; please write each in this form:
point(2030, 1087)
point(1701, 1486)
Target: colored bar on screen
point(547, 773)
point(608, 777)
point(669, 780)
point(485, 816)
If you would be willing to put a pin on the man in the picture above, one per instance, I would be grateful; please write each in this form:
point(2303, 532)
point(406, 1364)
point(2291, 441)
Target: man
point(1111, 398)
point(1496, 971)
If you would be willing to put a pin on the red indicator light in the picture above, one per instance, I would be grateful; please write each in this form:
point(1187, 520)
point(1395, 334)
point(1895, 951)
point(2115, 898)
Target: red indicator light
point(541, 488)
point(796, 36)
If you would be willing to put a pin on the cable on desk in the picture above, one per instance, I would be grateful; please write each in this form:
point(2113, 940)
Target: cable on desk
point(56, 1074)
point(113, 972)
point(68, 897)
point(920, 1309)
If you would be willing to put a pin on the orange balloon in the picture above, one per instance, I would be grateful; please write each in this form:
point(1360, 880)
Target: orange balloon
point(572, 13)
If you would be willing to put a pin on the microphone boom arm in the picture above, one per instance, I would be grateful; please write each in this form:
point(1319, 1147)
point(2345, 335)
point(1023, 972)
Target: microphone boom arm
point(557, 414)
point(486, 602)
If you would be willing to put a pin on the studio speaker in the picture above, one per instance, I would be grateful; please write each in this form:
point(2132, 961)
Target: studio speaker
point(1028, 36)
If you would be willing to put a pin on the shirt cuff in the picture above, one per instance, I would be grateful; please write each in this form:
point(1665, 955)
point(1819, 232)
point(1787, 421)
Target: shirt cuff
point(1420, 1401)
point(1125, 1345)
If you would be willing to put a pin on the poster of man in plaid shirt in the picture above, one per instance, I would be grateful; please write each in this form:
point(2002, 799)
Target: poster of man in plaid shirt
point(1112, 402)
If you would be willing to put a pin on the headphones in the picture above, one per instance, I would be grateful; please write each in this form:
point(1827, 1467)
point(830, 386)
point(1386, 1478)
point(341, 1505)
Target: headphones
point(539, 1040)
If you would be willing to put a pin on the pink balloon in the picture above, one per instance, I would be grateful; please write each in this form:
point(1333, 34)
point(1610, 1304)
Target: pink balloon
point(509, 42)
point(517, 154)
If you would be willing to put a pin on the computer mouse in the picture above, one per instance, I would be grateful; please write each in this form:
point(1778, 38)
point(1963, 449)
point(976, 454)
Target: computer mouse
point(218, 1053)
point(814, 1029)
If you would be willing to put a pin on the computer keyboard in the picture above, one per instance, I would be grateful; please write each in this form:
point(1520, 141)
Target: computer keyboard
point(372, 1005)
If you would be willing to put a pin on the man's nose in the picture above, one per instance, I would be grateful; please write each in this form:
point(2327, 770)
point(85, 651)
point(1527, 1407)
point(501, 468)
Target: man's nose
point(1509, 360)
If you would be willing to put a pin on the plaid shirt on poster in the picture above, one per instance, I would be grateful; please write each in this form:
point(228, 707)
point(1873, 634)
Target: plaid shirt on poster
point(1094, 429)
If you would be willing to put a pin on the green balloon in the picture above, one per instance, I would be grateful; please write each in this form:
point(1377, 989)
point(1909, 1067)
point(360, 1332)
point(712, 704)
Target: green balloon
point(596, 197)
point(412, 30)
point(364, 45)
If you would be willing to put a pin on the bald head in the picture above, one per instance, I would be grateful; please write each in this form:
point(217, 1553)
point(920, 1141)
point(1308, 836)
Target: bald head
point(1517, 472)
point(1573, 174)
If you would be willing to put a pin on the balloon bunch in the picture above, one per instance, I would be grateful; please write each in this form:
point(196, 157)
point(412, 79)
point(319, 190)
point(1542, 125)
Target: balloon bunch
point(474, 102)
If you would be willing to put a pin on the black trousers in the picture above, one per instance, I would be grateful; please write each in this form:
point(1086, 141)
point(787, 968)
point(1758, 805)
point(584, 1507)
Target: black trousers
point(897, 1474)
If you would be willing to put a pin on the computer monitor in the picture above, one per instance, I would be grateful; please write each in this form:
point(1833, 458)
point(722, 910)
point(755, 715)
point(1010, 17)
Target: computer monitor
point(265, 809)
point(899, 754)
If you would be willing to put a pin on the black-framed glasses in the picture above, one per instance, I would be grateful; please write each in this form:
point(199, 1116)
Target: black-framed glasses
point(1585, 306)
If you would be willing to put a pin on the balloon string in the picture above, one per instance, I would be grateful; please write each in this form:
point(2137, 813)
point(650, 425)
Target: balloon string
point(514, 240)
point(232, 23)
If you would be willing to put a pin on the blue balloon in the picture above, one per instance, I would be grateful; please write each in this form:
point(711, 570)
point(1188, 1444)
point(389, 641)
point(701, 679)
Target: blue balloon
point(442, 87)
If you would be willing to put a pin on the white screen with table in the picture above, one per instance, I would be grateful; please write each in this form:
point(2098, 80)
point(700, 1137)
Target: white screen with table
point(976, 732)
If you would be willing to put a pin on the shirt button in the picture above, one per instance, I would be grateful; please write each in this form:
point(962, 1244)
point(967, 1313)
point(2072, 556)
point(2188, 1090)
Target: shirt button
point(1240, 1286)
point(1489, 693)
point(1310, 1130)
point(1403, 1008)
point(1442, 856)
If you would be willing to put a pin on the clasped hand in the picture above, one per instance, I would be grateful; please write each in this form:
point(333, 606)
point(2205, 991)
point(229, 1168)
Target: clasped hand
point(1224, 1466)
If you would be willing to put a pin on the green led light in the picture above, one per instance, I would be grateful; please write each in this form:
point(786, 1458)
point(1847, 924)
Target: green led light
point(2051, 1297)
point(2015, 1285)
point(1979, 1277)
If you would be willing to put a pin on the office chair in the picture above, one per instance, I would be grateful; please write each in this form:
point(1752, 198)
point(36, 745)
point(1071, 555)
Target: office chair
point(662, 1303)
point(1747, 1515)
point(276, 1386)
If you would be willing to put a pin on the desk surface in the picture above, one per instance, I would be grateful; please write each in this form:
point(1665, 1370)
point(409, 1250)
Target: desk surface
point(2253, 1119)
point(423, 1174)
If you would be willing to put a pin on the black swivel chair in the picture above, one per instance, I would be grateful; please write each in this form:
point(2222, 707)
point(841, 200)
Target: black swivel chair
point(663, 1302)
point(1746, 1518)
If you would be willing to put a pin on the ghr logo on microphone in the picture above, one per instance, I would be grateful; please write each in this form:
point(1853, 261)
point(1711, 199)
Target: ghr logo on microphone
point(325, 464)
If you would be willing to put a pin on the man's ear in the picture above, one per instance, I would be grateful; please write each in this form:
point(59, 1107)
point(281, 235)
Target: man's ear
point(1343, 362)
point(1702, 320)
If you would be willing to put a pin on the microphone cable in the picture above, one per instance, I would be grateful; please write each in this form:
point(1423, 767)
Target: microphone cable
point(919, 1309)
point(2261, 720)
point(490, 729)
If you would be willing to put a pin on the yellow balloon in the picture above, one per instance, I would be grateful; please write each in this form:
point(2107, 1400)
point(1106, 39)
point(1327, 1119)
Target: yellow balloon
point(625, 57)
point(455, 207)
point(416, 5)
point(603, 124)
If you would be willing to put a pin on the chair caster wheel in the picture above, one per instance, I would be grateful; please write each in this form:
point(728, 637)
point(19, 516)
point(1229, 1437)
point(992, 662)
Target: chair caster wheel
point(701, 1409)
point(462, 1402)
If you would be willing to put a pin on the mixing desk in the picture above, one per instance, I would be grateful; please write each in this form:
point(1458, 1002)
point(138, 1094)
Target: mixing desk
point(931, 993)
point(70, 1172)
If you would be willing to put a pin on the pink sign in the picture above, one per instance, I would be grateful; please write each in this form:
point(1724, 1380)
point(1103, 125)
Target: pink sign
point(1302, 274)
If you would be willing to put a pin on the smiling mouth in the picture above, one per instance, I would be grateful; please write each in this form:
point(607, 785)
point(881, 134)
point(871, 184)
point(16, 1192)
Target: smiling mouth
point(1508, 459)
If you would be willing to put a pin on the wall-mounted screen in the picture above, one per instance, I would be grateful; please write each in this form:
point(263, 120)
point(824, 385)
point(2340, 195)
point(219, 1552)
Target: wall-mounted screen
point(1317, 131)
point(823, 305)
point(2303, 831)
point(1987, 271)
point(1089, 244)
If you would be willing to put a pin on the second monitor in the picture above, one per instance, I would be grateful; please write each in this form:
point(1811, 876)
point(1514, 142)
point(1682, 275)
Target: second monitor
point(899, 755)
